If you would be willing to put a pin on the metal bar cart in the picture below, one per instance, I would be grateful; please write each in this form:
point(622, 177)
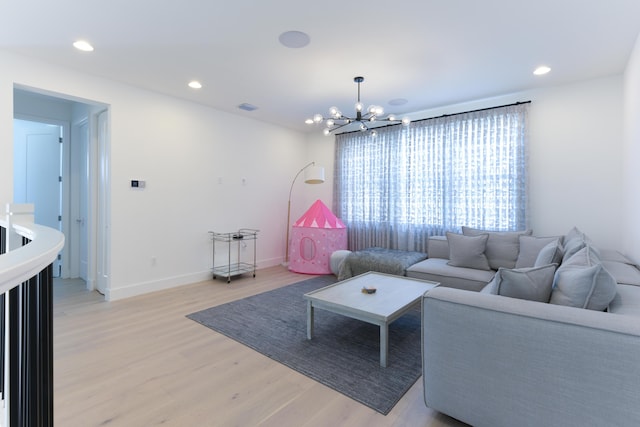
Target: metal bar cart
point(234, 267)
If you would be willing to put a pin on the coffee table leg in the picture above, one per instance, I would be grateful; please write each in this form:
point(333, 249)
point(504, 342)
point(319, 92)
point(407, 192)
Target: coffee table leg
point(384, 344)
point(309, 320)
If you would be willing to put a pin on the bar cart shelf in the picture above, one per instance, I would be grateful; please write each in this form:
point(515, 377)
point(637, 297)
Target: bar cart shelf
point(233, 240)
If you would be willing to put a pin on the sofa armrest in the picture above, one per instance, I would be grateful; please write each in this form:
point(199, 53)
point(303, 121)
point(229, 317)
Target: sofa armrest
point(495, 361)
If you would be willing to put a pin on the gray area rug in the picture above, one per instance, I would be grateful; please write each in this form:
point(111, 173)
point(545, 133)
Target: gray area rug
point(344, 353)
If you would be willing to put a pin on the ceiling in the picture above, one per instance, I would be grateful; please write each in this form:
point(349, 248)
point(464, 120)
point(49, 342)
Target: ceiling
point(430, 52)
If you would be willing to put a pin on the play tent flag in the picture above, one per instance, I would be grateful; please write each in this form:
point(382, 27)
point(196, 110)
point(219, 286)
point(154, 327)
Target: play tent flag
point(314, 237)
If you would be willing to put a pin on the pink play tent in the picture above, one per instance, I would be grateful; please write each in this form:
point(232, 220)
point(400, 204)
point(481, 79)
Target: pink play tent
point(314, 237)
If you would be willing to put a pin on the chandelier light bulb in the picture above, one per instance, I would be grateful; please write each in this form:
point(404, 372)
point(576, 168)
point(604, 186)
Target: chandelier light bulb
point(364, 118)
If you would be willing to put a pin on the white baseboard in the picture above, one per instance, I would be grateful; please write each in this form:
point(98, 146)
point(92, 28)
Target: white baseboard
point(172, 282)
point(155, 285)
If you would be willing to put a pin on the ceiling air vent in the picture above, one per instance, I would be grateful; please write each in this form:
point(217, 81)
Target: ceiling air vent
point(247, 107)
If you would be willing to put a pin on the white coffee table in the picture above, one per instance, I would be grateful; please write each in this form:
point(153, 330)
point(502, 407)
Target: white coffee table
point(394, 296)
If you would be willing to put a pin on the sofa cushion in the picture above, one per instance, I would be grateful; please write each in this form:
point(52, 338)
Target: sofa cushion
point(627, 274)
point(530, 247)
point(550, 254)
point(583, 282)
point(626, 301)
point(533, 284)
point(502, 246)
point(468, 251)
point(438, 247)
point(613, 255)
point(438, 270)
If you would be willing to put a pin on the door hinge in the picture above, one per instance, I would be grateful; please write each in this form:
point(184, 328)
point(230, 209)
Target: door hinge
point(59, 257)
point(59, 179)
point(60, 140)
point(59, 217)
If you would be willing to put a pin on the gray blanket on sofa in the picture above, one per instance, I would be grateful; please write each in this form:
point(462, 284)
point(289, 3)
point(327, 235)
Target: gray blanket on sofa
point(381, 260)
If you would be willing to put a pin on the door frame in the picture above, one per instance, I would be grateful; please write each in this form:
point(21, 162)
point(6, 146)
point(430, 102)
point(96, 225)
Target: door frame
point(97, 191)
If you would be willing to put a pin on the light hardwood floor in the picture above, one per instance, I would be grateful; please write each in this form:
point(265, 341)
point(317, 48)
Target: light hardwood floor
point(141, 362)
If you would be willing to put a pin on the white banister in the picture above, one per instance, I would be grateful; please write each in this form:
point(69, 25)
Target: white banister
point(20, 263)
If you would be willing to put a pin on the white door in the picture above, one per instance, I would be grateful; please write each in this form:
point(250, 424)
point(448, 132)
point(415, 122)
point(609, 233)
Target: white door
point(38, 172)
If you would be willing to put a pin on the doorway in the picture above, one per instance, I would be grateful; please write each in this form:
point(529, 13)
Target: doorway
point(81, 187)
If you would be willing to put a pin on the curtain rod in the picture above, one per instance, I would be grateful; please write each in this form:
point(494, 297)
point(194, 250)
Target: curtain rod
point(475, 111)
point(448, 115)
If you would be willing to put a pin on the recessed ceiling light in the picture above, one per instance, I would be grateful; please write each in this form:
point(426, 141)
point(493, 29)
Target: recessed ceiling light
point(541, 70)
point(194, 84)
point(83, 46)
point(294, 39)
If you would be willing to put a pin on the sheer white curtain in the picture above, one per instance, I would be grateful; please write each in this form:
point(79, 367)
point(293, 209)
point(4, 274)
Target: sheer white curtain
point(396, 189)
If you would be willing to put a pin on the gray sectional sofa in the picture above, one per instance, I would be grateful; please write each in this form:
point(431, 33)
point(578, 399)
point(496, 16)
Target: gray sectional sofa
point(544, 335)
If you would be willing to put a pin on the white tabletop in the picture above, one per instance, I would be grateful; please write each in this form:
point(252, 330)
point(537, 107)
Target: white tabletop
point(393, 294)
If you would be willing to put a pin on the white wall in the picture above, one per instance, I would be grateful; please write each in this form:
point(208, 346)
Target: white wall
point(575, 156)
point(631, 155)
point(182, 150)
point(576, 162)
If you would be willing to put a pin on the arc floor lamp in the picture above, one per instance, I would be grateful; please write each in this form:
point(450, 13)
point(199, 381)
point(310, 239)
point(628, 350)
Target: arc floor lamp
point(313, 175)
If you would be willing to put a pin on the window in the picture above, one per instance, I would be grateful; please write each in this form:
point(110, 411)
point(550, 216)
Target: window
point(396, 189)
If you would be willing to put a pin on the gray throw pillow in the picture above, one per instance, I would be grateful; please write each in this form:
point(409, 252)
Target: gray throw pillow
point(587, 256)
point(573, 233)
point(572, 246)
point(530, 247)
point(583, 282)
point(533, 284)
point(550, 254)
point(502, 246)
point(468, 251)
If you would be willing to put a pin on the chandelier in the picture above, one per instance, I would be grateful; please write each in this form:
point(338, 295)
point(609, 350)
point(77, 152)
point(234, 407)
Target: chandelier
point(366, 119)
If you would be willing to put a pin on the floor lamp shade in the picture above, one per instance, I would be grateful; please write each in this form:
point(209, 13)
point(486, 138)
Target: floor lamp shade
point(314, 175)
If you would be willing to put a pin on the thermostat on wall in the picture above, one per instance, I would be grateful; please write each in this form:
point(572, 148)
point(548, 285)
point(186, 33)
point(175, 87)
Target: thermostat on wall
point(137, 183)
